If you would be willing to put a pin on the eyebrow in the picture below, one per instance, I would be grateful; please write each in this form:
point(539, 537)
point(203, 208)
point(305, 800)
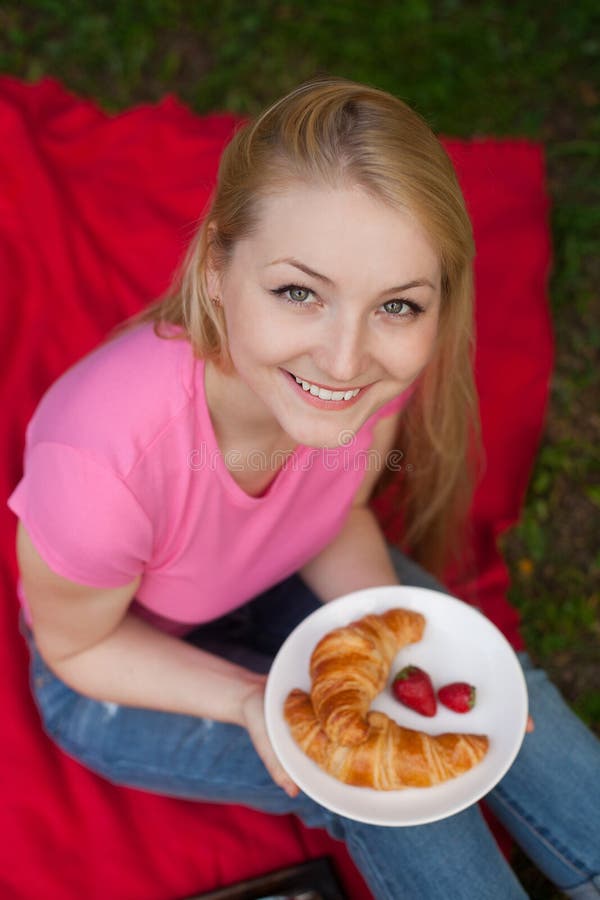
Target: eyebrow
point(418, 282)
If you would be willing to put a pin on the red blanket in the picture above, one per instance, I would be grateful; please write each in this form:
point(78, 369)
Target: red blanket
point(95, 212)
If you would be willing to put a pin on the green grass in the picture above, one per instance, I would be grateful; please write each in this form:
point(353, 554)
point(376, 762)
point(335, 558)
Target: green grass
point(471, 68)
point(484, 67)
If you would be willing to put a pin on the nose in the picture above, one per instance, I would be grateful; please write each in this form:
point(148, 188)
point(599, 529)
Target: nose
point(343, 354)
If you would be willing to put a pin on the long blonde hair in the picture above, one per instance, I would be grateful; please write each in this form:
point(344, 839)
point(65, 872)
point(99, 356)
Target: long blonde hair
point(333, 131)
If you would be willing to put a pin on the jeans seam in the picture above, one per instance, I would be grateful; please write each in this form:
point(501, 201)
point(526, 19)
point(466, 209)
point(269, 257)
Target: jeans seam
point(542, 834)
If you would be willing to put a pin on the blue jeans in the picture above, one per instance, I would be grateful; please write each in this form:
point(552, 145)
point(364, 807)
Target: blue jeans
point(549, 800)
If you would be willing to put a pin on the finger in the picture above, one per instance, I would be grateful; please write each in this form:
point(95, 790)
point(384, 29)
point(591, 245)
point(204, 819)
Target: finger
point(276, 770)
point(530, 725)
point(290, 787)
point(263, 747)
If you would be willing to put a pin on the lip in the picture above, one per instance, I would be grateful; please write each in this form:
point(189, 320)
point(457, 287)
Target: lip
point(328, 387)
point(330, 405)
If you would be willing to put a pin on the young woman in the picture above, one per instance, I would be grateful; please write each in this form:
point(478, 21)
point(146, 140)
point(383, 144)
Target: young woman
point(193, 488)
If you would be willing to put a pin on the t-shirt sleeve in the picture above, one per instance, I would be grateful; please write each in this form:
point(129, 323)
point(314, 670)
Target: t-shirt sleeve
point(81, 516)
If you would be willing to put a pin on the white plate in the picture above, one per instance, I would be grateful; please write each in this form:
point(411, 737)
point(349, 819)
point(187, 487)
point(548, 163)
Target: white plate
point(459, 644)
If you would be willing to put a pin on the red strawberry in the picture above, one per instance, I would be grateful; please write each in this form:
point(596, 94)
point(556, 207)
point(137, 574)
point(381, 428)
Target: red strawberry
point(412, 687)
point(458, 696)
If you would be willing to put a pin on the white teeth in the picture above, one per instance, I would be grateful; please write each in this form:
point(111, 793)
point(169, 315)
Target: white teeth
point(324, 394)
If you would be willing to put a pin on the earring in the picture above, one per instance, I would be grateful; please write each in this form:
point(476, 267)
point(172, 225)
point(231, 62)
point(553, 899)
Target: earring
point(216, 301)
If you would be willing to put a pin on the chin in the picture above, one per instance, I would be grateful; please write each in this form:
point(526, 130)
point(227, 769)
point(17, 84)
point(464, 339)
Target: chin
point(327, 436)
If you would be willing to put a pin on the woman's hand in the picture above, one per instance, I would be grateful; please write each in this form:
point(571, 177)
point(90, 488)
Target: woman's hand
point(253, 719)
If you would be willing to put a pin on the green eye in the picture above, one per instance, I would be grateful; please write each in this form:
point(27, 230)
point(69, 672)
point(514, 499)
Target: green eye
point(294, 293)
point(395, 309)
point(298, 294)
point(394, 306)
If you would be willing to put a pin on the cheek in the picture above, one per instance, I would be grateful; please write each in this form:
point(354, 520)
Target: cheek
point(253, 334)
point(407, 355)
point(259, 327)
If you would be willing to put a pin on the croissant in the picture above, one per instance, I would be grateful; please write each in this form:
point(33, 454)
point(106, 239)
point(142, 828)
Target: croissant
point(349, 667)
point(391, 757)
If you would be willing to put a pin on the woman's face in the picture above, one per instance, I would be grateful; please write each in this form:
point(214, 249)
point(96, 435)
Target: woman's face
point(334, 290)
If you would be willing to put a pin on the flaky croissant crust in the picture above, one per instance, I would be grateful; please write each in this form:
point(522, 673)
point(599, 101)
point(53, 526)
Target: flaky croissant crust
point(349, 667)
point(391, 757)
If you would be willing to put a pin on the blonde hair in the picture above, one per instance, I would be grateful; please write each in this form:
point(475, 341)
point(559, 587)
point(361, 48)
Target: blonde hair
point(335, 132)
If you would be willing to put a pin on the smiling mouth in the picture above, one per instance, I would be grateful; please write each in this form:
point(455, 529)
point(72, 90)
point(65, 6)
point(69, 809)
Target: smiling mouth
point(325, 393)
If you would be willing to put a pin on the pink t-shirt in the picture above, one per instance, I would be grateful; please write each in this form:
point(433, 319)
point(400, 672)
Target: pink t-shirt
point(124, 477)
